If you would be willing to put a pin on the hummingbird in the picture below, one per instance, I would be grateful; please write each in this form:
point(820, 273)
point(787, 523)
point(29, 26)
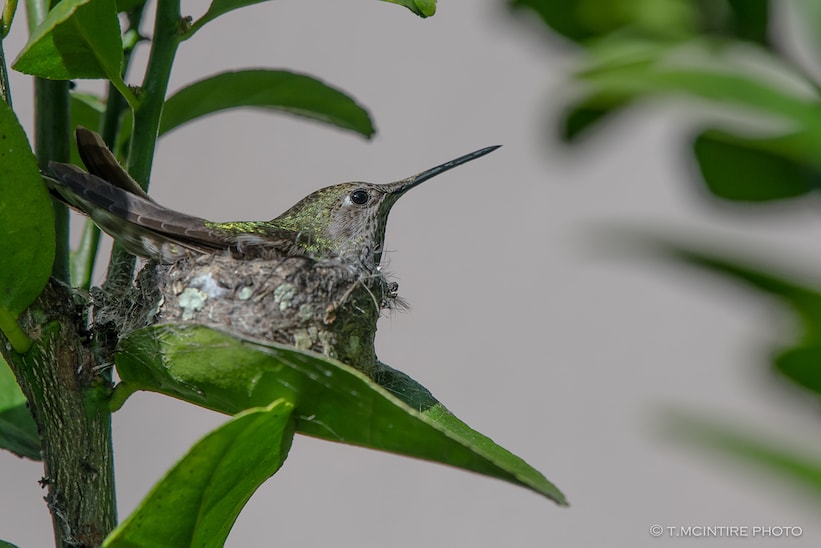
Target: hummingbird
point(345, 221)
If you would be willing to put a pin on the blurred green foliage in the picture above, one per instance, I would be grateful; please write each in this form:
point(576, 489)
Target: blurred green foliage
point(720, 53)
point(760, 146)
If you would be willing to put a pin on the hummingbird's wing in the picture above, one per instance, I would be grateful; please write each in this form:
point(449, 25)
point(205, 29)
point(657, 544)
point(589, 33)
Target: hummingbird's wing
point(101, 162)
point(150, 230)
point(119, 206)
point(144, 227)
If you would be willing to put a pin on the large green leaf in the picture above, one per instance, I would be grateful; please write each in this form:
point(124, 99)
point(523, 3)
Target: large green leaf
point(274, 90)
point(27, 225)
point(754, 170)
point(332, 401)
point(77, 39)
point(18, 431)
point(198, 500)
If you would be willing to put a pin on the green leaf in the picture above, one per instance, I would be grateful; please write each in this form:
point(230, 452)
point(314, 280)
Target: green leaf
point(86, 110)
point(18, 431)
point(217, 8)
point(4, 544)
point(801, 361)
point(27, 226)
point(563, 17)
point(588, 113)
point(6, 17)
point(332, 401)
point(77, 39)
point(752, 170)
point(128, 5)
point(422, 8)
point(267, 89)
point(584, 20)
point(751, 20)
point(804, 300)
point(803, 470)
point(801, 365)
point(198, 500)
point(701, 69)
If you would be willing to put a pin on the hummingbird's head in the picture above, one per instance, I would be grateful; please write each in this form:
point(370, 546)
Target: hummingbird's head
point(348, 220)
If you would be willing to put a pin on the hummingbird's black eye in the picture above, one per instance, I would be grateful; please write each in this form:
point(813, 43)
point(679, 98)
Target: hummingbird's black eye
point(360, 196)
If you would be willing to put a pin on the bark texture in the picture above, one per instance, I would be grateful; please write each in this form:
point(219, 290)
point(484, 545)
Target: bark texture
point(66, 380)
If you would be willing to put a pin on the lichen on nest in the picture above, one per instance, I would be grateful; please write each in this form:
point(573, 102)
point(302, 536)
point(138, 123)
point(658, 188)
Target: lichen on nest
point(328, 307)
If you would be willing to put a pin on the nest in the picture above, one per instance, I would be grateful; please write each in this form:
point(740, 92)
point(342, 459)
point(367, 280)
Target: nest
point(328, 307)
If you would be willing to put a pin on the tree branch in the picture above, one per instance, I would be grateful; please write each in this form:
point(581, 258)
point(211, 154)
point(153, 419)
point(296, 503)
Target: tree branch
point(68, 398)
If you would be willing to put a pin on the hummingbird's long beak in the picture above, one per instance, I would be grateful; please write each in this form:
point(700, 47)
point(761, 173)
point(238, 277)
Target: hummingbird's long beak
point(400, 187)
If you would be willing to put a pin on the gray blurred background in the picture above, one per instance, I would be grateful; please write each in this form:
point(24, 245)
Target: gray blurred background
point(522, 322)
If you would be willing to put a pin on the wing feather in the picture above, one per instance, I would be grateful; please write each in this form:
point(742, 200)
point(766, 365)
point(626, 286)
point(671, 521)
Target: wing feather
point(148, 229)
point(113, 209)
point(102, 163)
